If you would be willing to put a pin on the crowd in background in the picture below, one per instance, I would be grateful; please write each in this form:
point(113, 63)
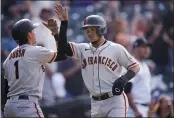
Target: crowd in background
point(126, 20)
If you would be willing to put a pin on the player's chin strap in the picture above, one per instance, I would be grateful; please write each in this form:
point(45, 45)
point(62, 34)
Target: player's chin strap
point(119, 84)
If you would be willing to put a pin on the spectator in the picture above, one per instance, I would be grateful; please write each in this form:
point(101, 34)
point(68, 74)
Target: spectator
point(121, 35)
point(138, 89)
point(75, 88)
point(163, 108)
point(44, 36)
point(159, 44)
point(7, 41)
point(139, 26)
point(59, 80)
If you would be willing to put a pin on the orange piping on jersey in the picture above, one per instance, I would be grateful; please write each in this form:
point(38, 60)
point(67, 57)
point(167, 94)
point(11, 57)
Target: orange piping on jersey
point(132, 65)
point(53, 57)
point(125, 104)
point(37, 110)
point(72, 47)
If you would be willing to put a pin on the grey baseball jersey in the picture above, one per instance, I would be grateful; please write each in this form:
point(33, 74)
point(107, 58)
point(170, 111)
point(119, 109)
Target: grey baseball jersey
point(25, 69)
point(102, 66)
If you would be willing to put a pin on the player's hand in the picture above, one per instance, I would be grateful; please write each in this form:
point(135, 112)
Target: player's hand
point(118, 86)
point(61, 12)
point(52, 25)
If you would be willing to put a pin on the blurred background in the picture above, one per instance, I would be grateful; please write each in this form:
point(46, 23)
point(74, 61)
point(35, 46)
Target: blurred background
point(64, 93)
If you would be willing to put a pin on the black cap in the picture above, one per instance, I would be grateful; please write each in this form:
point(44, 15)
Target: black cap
point(96, 21)
point(24, 25)
point(20, 30)
point(140, 42)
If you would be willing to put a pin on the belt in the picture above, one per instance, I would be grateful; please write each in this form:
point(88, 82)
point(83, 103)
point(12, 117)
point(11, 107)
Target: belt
point(24, 97)
point(103, 96)
point(20, 97)
point(143, 104)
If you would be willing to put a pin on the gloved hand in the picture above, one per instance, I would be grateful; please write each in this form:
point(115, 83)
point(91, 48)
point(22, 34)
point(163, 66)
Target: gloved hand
point(52, 25)
point(118, 86)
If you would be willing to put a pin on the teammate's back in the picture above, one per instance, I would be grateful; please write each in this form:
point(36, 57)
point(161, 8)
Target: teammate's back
point(25, 70)
point(25, 67)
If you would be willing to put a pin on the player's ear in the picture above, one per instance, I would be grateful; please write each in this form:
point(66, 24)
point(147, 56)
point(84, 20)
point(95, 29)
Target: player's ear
point(29, 35)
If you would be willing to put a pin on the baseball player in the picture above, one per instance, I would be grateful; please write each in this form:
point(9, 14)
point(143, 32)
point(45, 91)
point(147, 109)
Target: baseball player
point(102, 63)
point(138, 89)
point(25, 70)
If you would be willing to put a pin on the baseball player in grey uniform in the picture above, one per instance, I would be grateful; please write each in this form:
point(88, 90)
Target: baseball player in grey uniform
point(102, 62)
point(25, 70)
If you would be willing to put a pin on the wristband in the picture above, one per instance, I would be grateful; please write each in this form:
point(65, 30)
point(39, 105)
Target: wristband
point(128, 76)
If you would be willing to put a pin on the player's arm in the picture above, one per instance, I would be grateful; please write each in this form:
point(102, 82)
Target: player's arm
point(127, 90)
point(44, 55)
point(69, 48)
point(128, 62)
point(64, 50)
point(63, 45)
point(61, 39)
point(53, 27)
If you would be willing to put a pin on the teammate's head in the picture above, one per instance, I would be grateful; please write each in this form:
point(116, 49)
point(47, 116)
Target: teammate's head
point(22, 32)
point(141, 48)
point(95, 26)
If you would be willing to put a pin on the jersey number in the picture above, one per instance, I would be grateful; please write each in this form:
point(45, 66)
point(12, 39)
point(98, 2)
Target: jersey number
point(16, 70)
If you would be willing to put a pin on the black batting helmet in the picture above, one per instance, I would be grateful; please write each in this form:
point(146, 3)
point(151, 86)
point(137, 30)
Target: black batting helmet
point(20, 30)
point(140, 42)
point(96, 21)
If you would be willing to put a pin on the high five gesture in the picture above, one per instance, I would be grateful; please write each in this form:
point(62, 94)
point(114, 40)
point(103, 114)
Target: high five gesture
point(61, 12)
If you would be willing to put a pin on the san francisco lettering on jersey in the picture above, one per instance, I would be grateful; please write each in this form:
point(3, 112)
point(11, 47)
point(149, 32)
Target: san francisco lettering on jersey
point(99, 60)
point(17, 53)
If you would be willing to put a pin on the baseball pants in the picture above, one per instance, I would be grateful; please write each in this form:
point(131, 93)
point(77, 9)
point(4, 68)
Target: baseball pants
point(116, 106)
point(23, 108)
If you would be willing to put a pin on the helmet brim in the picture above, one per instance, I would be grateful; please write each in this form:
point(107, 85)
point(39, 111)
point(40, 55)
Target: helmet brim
point(86, 26)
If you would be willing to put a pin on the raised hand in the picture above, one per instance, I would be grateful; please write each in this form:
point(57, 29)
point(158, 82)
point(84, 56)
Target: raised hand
point(61, 12)
point(52, 25)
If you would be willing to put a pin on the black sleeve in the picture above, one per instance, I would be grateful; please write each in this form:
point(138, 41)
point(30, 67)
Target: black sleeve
point(63, 45)
point(60, 55)
point(128, 87)
point(128, 76)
